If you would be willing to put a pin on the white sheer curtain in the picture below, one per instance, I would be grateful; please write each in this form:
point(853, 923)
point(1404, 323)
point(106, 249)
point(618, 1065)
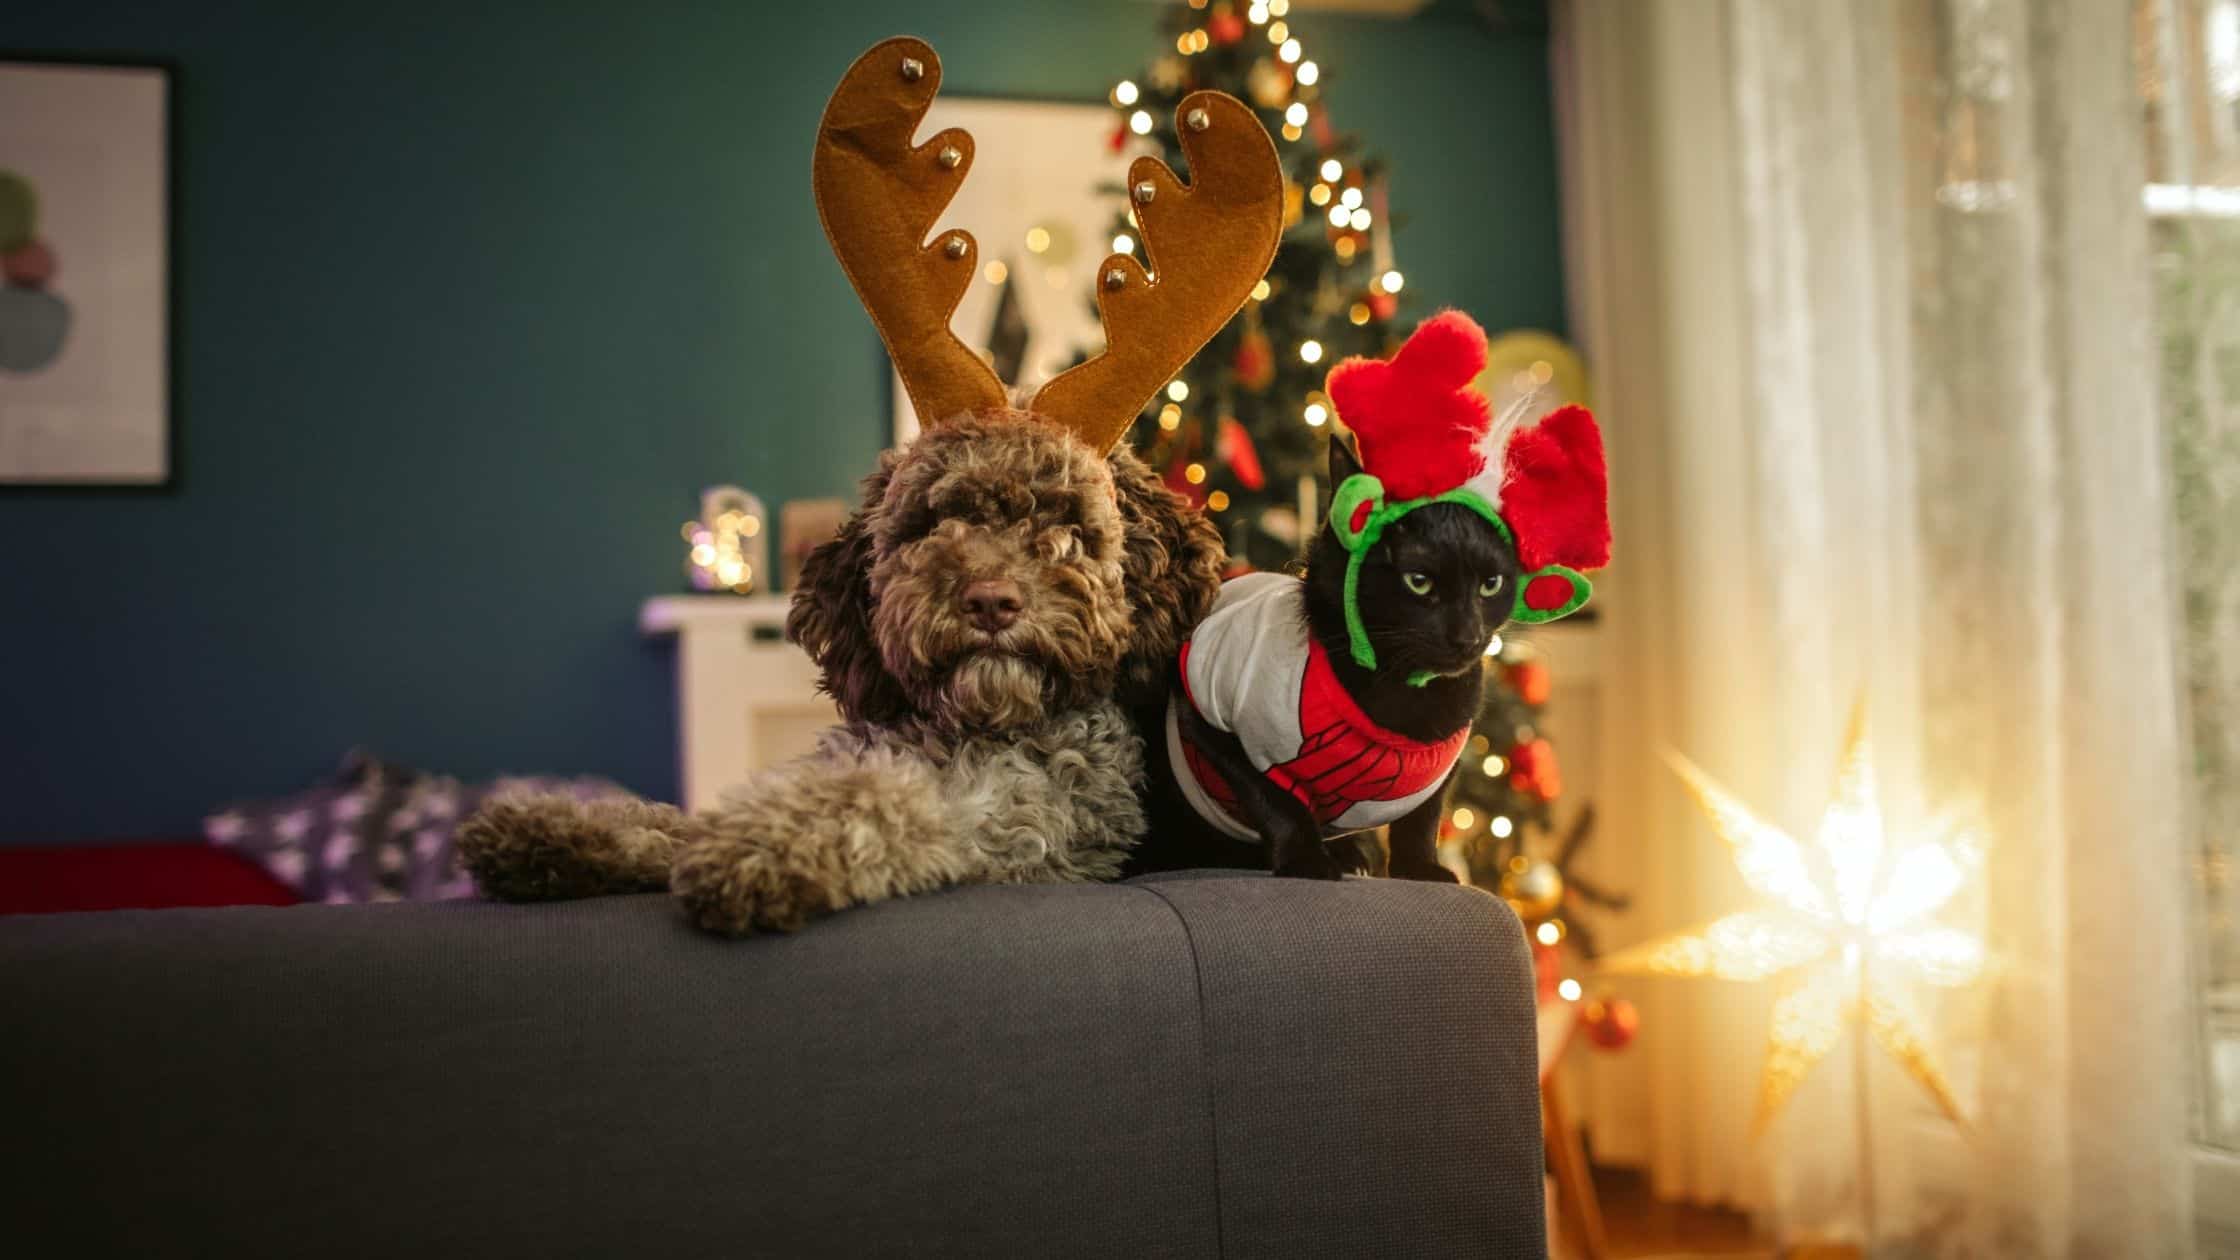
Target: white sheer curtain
point(1865, 284)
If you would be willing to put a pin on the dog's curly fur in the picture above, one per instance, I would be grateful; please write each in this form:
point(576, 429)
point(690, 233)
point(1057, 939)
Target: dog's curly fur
point(964, 756)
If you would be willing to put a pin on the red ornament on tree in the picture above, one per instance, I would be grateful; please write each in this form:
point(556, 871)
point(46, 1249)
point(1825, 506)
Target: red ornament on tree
point(1234, 446)
point(1178, 480)
point(1610, 1023)
point(1529, 679)
point(1532, 768)
point(1226, 27)
point(1256, 361)
point(1384, 305)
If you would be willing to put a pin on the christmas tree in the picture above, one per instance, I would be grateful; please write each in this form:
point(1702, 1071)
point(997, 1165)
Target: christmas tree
point(1241, 430)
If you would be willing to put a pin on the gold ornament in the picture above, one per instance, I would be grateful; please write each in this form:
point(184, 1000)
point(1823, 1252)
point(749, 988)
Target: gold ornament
point(1533, 887)
point(1839, 936)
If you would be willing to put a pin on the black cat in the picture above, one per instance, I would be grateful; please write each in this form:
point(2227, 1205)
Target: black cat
point(1432, 591)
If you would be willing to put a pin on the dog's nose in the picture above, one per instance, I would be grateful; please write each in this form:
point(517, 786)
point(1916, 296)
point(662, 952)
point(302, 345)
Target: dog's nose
point(993, 603)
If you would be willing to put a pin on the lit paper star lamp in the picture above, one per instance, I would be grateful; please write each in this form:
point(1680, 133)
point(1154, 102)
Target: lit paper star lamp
point(1845, 932)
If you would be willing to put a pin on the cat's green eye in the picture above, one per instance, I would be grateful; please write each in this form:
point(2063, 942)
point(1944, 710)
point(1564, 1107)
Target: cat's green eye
point(1417, 583)
point(1490, 587)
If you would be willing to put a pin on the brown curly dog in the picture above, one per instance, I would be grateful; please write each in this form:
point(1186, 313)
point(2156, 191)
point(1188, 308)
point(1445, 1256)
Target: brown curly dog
point(977, 621)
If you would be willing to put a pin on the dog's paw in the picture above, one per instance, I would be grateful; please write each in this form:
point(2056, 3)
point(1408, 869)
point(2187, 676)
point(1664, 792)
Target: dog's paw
point(736, 887)
point(536, 849)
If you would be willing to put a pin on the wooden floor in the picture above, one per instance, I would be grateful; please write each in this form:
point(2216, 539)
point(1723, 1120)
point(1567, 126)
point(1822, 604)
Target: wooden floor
point(1640, 1225)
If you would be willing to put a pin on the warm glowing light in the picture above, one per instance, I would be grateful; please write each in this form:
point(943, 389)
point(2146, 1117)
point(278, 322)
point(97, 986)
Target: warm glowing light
point(1351, 198)
point(1218, 500)
point(1257, 14)
point(1319, 194)
point(1295, 114)
point(1260, 291)
point(731, 572)
point(1123, 244)
point(1359, 313)
point(1316, 415)
point(1494, 648)
point(1170, 417)
point(1291, 132)
point(1391, 280)
point(1178, 390)
point(750, 526)
point(1549, 932)
point(1289, 52)
point(1464, 820)
point(1361, 220)
point(1845, 929)
point(1124, 93)
point(1503, 826)
point(703, 554)
point(1139, 122)
point(1279, 32)
point(1194, 474)
point(1310, 351)
point(1569, 989)
point(1038, 240)
point(1493, 766)
point(1345, 248)
point(1542, 371)
point(1332, 169)
point(1279, 7)
point(996, 272)
point(1308, 72)
point(1339, 216)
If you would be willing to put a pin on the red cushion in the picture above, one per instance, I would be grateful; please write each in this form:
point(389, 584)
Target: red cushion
point(132, 877)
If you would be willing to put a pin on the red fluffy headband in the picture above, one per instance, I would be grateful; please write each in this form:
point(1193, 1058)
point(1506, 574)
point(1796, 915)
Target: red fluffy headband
point(1426, 432)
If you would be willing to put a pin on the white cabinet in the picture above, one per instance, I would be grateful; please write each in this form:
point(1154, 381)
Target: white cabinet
point(746, 698)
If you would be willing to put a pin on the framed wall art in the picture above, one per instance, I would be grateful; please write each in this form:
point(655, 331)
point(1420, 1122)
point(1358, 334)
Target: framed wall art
point(84, 274)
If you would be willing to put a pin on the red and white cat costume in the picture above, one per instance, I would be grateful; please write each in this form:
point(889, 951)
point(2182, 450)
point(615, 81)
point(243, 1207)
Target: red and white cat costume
point(1252, 669)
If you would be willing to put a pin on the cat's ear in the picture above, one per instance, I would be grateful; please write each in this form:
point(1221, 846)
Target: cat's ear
point(1343, 462)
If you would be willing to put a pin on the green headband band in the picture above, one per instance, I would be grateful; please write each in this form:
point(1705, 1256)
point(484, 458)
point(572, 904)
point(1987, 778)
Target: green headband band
point(1358, 530)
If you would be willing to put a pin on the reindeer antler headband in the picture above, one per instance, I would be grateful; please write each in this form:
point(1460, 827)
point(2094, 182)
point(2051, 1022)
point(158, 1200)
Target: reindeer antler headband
point(1209, 242)
point(1428, 436)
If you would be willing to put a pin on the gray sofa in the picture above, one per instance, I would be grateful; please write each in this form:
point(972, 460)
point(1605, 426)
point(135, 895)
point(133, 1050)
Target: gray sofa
point(1186, 1065)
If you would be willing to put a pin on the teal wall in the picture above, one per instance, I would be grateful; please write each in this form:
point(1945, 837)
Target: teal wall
point(473, 298)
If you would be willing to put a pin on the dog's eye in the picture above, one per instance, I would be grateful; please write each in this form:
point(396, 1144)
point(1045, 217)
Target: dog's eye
point(1490, 587)
point(1417, 583)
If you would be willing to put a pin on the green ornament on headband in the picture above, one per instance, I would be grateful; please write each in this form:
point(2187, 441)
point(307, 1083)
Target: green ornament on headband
point(1359, 514)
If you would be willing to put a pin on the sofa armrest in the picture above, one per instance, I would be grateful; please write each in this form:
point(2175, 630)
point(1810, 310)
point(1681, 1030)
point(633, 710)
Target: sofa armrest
point(1372, 1066)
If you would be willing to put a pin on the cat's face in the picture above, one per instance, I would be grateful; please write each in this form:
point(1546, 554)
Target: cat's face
point(1436, 586)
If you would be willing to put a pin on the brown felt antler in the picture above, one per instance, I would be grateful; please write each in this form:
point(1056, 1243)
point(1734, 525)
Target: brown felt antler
point(1209, 242)
point(878, 197)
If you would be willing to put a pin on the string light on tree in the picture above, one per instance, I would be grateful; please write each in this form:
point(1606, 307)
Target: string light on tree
point(1310, 351)
point(1124, 93)
point(1308, 73)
